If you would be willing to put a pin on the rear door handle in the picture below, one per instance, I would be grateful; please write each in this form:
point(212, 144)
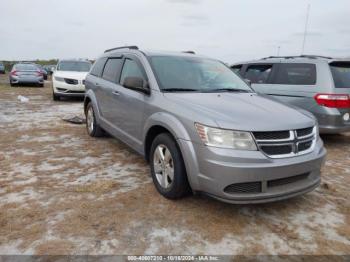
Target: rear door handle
point(116, 93)
point(97, 84)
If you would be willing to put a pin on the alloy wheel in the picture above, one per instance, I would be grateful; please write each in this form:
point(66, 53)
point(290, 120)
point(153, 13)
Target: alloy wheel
point(163, 166)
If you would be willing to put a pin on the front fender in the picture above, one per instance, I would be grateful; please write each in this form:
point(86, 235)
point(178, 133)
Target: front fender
point(179, 132)
point(169, 122)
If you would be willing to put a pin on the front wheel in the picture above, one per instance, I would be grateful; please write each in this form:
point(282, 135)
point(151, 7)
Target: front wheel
point(55, 97)
point(168, 168)
point(92, 126)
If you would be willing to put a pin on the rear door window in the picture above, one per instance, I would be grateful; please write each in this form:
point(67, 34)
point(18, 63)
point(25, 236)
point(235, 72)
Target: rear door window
point(112, 69)
point(341, 74)
point(258, 74)
point(98, 67)
point(295, 74)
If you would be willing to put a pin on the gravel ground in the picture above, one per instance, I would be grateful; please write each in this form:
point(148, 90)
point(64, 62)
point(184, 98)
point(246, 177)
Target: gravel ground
point(62, 192)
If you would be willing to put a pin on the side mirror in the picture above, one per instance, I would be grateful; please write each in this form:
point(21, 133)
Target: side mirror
point(137, 84)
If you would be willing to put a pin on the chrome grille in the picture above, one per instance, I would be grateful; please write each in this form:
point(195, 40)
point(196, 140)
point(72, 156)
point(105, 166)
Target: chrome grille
point(304, 131)
point(271, 135)
point(277, 150)
point(277, 144)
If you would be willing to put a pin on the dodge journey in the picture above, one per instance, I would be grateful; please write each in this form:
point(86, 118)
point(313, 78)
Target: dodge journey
point(201, 127)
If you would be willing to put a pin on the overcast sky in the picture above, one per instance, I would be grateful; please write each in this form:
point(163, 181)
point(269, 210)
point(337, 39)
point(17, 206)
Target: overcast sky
point(231, 30)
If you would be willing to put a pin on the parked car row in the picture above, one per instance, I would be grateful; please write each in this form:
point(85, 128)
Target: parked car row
point(202, 128)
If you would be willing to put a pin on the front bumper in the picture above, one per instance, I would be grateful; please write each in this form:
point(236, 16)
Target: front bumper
point(213, 170)
point(68, 90)
point(333, 124)
point(26, 80)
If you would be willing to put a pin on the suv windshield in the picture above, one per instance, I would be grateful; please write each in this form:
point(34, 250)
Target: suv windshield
point(74, 66)
point(181, 74)
point(341, 74)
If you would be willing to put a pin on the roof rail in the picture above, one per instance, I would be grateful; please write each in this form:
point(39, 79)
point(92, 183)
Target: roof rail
point(123, 47)
point(316, 56)
point(298, 56)
point(287, 57)
point(189, 52)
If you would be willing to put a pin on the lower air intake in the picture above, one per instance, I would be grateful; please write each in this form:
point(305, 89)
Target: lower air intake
point(248, 187)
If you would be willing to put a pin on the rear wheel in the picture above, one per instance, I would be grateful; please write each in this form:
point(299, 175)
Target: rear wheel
point(92, 127)
point(168, 168)
point(41, 85)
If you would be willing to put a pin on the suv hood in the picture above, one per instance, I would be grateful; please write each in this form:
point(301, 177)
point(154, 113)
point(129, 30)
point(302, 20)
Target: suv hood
point(241, 111)
point(71, 74)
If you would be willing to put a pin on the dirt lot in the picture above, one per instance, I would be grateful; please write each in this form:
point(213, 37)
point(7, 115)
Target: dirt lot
point(62, 192)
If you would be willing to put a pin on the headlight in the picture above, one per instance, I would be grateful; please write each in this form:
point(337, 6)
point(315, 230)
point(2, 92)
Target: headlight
point(59, 79)
point(225, 138)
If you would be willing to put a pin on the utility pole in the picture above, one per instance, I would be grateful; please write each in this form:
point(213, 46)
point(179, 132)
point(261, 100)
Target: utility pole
point(305, 31)
point(278, 50)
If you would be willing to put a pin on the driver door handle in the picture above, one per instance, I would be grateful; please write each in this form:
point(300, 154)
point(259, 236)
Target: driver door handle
point(116, 93)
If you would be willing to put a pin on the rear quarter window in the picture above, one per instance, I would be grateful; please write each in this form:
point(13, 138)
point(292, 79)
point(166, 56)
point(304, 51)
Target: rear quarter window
point(98, 67)
point(296, 74)
point(341, 74)
point(258, 74)
point(236, 68)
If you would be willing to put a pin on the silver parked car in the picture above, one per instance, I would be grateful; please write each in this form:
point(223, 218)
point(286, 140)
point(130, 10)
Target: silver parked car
point(318, 84)
point(26, 73)
point(202, 128)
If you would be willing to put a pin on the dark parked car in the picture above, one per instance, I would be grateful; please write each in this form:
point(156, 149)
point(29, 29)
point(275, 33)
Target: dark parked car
point(43, 70)
point(26, 73)
point(2, 68)
point(49, 69)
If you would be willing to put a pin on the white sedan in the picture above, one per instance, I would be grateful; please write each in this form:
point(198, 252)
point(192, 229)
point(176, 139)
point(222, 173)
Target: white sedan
point(68, 80)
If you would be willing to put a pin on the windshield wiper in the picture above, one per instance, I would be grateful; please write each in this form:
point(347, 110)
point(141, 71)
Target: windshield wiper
point(179, 90)
point(236, 90)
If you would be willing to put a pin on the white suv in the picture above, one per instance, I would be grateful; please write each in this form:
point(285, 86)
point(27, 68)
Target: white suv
point(69, 78)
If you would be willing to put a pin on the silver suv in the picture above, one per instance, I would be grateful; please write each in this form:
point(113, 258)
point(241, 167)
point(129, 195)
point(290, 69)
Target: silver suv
point(320, 85)
point(202, 128)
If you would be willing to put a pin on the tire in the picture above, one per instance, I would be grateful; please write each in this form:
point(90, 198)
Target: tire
point(174, 187)
point(41, 85)
point(12, 85)
point(55, 97)
point(92, 128)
